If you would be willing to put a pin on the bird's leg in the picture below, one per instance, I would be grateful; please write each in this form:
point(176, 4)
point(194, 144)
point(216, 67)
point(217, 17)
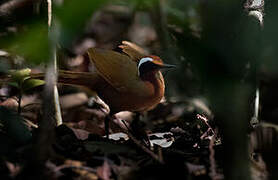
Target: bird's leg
point(107, 120)
point(138, 128)
point(96, 102)
point(106, 125)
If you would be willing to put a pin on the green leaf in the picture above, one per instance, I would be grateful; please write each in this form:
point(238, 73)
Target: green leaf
point(31, 83)
point(14, 84)
point(20, 75)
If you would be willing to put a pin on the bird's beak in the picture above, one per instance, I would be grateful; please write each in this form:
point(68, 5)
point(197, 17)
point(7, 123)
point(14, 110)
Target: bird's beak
point(167, 66)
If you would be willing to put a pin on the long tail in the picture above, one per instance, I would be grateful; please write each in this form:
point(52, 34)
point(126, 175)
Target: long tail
point(83, 79)
point(86, 79)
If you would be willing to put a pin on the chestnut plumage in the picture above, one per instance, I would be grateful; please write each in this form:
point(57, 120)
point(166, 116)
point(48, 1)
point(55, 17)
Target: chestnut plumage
point(128, 81)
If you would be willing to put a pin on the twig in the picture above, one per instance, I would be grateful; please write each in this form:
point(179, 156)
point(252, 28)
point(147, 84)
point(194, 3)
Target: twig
point(205, 120)
point(160, 154)
point(128, 129)
point(255, 119)
point(138, 143)
point(212, 168)
point(49, 3)
point(213, 172)
point(52, 37)
point(256, 9)
point(46, 129)
point(144, 148)
point(257, 103)
point(19, 99)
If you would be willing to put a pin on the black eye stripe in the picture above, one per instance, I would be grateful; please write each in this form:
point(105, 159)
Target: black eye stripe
point(144, 60)
point(146, 67)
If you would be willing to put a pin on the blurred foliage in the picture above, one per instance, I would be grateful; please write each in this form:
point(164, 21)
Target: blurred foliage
point(32, 40)
point(4, 65)
point(73, 17)
point(31, 43)
point(13, 126)
point(22, 81)
point(269, 51)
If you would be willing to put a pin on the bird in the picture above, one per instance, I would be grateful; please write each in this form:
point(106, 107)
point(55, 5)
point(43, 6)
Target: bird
point(130, 80)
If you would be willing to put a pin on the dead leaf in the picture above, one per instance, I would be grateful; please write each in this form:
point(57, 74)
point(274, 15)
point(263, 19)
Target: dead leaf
point(10, 103)
point(197, 170)
point(13, 168)
point(80, 133)
point(118, 136)
point(104, 172)
point(162, 139)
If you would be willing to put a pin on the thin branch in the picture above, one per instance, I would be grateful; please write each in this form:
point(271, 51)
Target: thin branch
point(256, 9)
point(19, 102)
point(46, 126)
point(158, 158)
point(49, 3)
point(52, 38)
point(213, 165)
point(213, 173)
point(138, 143)
point(144, 148)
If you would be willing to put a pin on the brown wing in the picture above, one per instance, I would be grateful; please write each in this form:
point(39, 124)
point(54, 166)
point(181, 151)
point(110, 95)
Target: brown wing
point(118, 70)
point(133, 50)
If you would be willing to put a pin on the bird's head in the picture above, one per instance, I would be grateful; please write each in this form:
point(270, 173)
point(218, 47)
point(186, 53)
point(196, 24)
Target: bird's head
point(150, 64)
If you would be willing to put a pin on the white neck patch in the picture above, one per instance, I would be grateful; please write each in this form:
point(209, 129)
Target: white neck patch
point(142, 61)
